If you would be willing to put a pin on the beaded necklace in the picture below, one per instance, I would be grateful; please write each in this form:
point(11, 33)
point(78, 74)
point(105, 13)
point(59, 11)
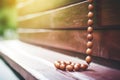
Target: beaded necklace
point(70, 66)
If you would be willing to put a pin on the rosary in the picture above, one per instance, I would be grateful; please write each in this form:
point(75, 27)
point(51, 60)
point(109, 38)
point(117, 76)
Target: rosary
point(70, 66)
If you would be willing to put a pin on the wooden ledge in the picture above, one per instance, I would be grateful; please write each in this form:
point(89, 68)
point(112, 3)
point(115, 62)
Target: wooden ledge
point(36, 63)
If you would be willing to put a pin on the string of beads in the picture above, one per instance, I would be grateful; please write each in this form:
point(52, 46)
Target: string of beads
point(70, 66)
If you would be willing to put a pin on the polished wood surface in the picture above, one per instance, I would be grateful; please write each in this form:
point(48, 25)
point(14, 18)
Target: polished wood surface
point(65, 27)
point(70, 16)
point(36, 63)
point(108, 12)
point(106, 42)
point(35, 6)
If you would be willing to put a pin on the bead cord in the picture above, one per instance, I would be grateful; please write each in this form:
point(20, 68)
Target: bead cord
point(70, 66)
point(90, 23)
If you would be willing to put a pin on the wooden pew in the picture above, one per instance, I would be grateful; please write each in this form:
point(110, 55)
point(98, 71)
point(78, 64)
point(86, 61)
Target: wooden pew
point(65, 28)
point(60, 32)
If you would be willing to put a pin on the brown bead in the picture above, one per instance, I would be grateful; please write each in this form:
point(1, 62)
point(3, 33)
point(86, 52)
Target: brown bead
point(69, 67)
point(62, 62)
point(90, 15)
point(90, 37)
point(68, 62)
point(90, 29)
point(77, 67)
point(89, 44)
point(57, 64)
point(89, 51)
point(90, 7)
point(62, 66)
point(90, 22)
point(84, 66)
point(88, 59)
point(90, 1)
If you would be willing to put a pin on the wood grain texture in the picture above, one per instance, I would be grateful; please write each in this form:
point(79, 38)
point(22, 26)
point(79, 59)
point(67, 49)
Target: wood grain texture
point(106, 42)
point(35, 6)
point(108, 12)
point(38, 62)
point(65, 28)
point(71, 16)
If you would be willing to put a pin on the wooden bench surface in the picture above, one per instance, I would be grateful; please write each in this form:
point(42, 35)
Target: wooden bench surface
point(36, 63)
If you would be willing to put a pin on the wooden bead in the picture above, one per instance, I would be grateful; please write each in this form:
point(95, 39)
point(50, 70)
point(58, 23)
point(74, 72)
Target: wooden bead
point(90, 37)
point(84, 66)
point(89, 51)
point(90, 1)
point(90, 7)
point(62, 66)
point(62, 62)
point(68, 62)
point(57, 64)
point(77, 67)
point(90, 22)
point(88, 59)
point(69, 67)
point(89, 44)
point(90, 29)
point(90, 14)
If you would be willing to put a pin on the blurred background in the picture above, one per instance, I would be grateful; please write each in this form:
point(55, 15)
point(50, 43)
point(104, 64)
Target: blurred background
point(8, 19)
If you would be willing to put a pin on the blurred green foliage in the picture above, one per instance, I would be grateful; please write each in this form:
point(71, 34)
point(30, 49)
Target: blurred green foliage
point(7, 18)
